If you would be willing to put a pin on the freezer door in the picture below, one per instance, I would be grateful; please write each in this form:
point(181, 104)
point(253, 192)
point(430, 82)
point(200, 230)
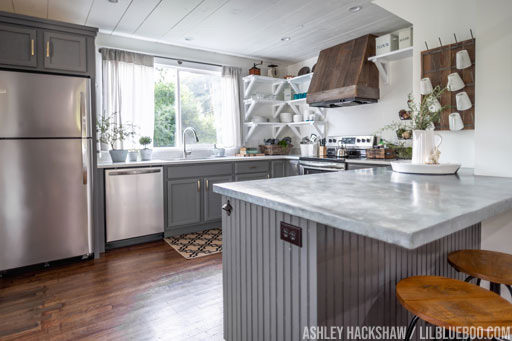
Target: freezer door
point(40, 105)
point(44, 201)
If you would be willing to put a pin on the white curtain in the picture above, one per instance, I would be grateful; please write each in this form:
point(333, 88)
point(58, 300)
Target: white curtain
point(228, 118)
point(128, 91)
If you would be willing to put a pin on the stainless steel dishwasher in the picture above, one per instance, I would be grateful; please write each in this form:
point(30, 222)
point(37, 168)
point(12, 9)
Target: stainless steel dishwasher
point(134, 202)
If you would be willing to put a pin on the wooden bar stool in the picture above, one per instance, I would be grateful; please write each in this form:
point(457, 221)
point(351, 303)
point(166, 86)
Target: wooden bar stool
point(452, 304)
point(495, 267)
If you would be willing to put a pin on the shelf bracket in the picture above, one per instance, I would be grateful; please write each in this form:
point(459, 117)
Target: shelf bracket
point(278, 130)
point(277, 108)
point(250, 132)
point(249, 109)
point(277, 87)
point(319, 111)
point(295, 131)
point(294, 87)
point(383, 72)
point(248, 87)
point(295, 108)
point(318, 130)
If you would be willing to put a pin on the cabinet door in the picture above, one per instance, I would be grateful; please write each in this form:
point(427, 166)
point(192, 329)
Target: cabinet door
point(278, 169)
point(65, 52)
point(213, 201)
point(17, 46)
point(184, 202)
point(254, 176)
point(292, 168)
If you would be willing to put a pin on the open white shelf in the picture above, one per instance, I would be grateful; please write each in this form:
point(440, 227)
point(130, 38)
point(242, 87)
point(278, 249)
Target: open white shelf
point(250, 104)
point(382, 60)
point(296, 81)
point(276, 83)
point(277, 127)
point(296, 103)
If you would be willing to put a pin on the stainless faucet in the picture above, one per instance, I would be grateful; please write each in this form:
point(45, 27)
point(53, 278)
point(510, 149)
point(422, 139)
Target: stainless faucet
point(185, 131)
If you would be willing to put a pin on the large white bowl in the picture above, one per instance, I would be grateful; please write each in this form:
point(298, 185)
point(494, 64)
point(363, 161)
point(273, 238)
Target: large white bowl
point(415, 168)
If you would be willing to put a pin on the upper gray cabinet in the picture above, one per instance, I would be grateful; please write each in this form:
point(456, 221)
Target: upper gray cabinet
point(36, 44)
point(66, 52)
point(18, 45)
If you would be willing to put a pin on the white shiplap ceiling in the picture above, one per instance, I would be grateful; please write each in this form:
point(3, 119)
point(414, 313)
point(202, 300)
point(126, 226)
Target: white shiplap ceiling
point(241, 27)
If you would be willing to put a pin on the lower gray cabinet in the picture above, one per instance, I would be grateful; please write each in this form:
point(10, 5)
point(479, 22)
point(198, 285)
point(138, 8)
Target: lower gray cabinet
point(253, 176)
point(278, 168)
point(213, 201)
point(184, 202)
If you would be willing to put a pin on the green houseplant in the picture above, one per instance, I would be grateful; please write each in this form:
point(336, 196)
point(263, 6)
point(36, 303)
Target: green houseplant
point(114, 133)
point(146, 153)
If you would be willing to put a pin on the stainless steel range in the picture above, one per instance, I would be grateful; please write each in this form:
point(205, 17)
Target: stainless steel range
point(339, 149)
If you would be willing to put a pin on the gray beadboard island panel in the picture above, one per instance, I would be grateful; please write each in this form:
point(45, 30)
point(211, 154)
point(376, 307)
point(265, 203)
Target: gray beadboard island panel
point(273, 289)
point(402, 209)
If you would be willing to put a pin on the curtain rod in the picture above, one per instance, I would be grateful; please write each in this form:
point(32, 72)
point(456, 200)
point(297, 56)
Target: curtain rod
point(164, 57)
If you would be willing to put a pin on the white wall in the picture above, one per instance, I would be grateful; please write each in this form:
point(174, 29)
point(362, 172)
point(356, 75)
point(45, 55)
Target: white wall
point(368, 119)
point(489, 146)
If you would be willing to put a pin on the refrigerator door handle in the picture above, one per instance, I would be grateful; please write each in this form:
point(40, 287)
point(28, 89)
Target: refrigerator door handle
point(83, 115)
point(85, 160)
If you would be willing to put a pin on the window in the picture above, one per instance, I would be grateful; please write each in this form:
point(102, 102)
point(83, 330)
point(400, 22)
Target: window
point(185, 98)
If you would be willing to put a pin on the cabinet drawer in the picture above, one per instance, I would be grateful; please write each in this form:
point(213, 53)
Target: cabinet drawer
point(243, 167)
point(253, 176)
point(199, 170)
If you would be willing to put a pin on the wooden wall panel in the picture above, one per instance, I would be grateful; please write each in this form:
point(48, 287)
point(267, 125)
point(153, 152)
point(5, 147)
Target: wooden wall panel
point(437, 64)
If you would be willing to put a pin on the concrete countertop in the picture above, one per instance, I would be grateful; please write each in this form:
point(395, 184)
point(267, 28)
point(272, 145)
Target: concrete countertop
point(192, 160)
point(401, 209)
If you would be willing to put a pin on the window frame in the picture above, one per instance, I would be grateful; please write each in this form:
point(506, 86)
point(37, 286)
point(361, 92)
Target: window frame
point(193, 68)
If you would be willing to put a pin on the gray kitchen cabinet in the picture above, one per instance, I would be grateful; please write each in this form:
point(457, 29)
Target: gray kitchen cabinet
point(184, 202)
point(292, 168)
point(252, 176)
point(212, 201)
point(65, 52)
point(278, 168)
point(18, 45)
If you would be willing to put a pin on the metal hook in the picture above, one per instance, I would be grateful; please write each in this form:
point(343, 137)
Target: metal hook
point(426, 44)
point(455, 38)
point(440, 44)
point(471, 31)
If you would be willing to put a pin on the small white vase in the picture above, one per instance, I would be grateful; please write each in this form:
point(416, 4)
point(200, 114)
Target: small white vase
point(423, 143)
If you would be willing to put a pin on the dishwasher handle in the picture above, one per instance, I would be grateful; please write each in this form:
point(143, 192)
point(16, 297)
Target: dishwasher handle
point(135, 172)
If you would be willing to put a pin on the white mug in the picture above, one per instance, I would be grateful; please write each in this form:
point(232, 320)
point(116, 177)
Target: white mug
point(426, 86)
point(462, 59)
point(434, 106)
point(463, 101)
point(423, 143)
point(298, 118)
point(455, 121)
point(455, 83)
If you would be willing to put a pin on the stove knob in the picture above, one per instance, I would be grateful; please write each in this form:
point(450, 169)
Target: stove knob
point(334, 140)
point(358, 140)
point(368, 140)
point(330, 140)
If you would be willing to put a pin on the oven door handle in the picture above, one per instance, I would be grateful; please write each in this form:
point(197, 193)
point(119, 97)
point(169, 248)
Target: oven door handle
point(304, 168)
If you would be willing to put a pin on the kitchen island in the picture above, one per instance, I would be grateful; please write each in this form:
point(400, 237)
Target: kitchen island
point(354, 235)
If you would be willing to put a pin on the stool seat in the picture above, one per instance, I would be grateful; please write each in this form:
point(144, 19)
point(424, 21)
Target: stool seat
point(487, 265)
point(449, 303)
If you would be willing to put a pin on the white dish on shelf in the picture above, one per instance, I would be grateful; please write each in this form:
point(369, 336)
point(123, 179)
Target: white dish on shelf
point(286, 117)
point(416, 168)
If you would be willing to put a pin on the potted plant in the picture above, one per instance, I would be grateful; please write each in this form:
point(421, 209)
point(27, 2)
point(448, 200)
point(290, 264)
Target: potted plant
point(114, 134)
point(145, 154)
point(423, 118)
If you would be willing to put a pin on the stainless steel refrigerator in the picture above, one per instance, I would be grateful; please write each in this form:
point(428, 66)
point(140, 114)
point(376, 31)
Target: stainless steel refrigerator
point(45, 168)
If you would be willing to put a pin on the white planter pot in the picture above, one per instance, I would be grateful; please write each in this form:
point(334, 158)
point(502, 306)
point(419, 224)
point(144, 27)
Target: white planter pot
point(133, 155)
point(118, 155)
point(145, 154)
point(423, 143)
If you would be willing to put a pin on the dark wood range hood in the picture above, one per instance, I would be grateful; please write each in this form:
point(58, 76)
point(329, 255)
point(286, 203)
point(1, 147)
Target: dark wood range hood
point(344, 76)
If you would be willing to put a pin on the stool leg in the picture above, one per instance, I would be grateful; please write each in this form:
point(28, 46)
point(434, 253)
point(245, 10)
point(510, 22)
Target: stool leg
point(410, 328)
point(469, 279)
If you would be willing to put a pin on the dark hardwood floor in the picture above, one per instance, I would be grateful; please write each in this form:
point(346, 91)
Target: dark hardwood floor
point(145, 292)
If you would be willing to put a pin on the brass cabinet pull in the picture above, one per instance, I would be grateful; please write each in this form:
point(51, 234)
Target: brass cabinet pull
point(48, 49)
point(268, 175)
point(32, 51)
point(207, 185)
point(199, 185)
